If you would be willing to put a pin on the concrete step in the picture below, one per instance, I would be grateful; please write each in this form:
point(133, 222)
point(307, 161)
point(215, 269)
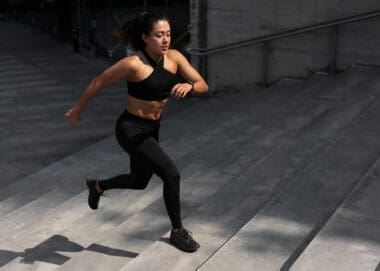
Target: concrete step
point(134, 224)
point(31, 212)
point(18, 200)
point(57, 247)
point(22, 262)
point(275, 237)
point(64, 174)
point(213, 222)
point(165, 218)
point(350, 239)
point(5, 73)
point(17, 66)
point(8, 82)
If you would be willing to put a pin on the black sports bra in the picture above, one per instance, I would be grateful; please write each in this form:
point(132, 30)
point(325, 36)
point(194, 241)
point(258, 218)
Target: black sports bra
point(157, 85)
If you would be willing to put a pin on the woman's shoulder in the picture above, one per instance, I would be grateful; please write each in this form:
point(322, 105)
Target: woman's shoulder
point(132, 62)
point(174, 54)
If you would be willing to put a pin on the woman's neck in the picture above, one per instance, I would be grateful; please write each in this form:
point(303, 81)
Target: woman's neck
point(155, 57)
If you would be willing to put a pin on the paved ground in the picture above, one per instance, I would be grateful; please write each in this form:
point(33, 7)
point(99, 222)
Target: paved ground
point(285, 178)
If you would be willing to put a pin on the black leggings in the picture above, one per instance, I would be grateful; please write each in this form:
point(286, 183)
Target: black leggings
point(139, 138)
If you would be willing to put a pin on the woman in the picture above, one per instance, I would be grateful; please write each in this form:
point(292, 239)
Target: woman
point(151, 79)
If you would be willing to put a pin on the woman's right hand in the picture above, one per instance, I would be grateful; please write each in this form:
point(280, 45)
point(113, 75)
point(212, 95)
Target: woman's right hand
point(73, 115)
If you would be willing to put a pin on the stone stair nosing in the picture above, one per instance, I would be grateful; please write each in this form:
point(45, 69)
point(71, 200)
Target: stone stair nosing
point(276, 236)
point(350, 239)
point(173, 260)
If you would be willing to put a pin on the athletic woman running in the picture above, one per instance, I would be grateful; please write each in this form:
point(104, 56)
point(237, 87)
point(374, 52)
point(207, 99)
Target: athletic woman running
point(151, 75)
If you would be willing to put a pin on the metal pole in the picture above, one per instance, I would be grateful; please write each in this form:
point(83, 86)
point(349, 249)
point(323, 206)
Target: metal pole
point(333, 51)
point(203, 64)
point(202, 35)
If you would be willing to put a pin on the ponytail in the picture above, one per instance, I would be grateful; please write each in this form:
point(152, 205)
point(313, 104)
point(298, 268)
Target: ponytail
point(138, 24)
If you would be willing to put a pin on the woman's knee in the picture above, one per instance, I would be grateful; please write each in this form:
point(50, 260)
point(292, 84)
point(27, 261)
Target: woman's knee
point(140, 181)
point(141, 186)
point(173, 177)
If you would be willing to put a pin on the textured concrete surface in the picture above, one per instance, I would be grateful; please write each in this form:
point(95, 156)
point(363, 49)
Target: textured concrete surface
point(336, 246)
point(272, 179)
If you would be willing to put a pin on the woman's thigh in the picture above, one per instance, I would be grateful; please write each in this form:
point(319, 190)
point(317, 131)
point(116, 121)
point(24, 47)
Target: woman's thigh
point(153, 157)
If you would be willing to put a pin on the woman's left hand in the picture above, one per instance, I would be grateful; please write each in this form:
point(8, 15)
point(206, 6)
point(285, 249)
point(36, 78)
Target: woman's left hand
point(181, 90)
point(73, 115)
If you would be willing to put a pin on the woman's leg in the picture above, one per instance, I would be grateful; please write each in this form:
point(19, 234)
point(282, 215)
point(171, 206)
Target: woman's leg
point(151, 154)
point(160, 163)
point(137, 179)
point(149, 159)
point(140, 175)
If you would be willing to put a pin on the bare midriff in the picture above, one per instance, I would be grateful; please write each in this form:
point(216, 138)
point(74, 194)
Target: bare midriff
point(145, 109)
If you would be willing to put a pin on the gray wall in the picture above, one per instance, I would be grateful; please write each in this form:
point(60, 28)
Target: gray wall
point(220, 22)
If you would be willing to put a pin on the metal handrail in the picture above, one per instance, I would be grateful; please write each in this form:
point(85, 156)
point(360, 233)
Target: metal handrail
point(266, 38)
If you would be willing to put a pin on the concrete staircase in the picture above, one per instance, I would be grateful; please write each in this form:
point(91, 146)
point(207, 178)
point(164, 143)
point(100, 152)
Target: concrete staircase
point(285, 178)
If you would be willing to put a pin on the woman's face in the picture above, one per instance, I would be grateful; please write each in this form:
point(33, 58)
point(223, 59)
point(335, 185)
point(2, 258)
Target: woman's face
point(158, 41)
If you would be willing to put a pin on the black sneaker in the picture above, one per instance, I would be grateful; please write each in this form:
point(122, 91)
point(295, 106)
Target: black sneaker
point(93, 194)
point(182, 240)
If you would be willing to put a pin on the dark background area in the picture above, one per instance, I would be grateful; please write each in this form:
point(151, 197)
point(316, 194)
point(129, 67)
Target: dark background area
point(93, 27)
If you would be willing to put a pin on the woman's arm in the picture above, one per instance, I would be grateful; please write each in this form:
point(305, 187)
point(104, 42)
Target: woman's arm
point(196, 83)
point(121, 70)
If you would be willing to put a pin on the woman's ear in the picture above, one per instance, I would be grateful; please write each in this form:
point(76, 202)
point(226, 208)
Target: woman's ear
point(144, 37)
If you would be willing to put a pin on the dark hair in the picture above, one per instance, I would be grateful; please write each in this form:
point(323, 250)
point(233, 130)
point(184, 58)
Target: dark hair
point(135, 26)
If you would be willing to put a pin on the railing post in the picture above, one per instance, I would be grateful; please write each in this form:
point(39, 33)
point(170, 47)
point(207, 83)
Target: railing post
point(202, 34)
point(265, 64)
point(203, 66)
point(79, 23)
point(333, 50)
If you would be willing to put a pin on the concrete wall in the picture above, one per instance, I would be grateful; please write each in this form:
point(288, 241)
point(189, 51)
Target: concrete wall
point(225, 22)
